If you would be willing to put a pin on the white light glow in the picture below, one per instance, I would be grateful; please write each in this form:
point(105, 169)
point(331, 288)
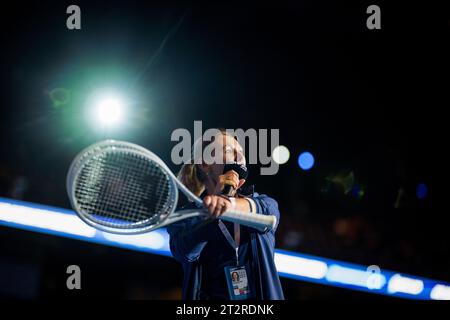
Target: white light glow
point(300, 266)
point(109, 110)
point(152, 240)
point(402, 284)
point(46, 219)
point(280, 154)
point(440, 292)
point(350, 276)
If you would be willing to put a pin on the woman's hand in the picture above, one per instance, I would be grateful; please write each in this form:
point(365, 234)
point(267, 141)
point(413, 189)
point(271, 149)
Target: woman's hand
point(216, 205)
point(230, 178)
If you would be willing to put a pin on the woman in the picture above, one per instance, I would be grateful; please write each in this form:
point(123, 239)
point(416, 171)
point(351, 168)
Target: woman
point(210, 249)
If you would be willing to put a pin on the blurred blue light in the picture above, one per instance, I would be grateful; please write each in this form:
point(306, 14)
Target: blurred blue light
point(353, 276)
point(293, 265)
point(421, 191)
point(306, 160)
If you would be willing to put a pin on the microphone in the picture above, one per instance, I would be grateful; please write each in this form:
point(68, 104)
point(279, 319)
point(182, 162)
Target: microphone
point(241, 170)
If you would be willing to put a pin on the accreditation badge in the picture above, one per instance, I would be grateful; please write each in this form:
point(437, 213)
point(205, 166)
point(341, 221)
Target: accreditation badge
point(238, 284)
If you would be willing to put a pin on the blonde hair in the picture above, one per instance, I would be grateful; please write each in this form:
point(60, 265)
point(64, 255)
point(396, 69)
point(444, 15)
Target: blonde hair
point(192, 176)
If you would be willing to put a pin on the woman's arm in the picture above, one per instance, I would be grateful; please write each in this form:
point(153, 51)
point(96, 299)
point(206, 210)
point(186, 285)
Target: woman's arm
point(259, 204)
point(267, 206)
point(189, 237)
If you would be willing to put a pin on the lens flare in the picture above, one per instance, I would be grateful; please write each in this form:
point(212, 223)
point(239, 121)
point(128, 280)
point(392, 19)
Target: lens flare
point(280, 154)
point(306, 160)
point(109, 111)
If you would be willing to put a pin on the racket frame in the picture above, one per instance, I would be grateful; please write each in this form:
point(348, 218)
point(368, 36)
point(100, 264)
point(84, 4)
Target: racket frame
point(170, 217)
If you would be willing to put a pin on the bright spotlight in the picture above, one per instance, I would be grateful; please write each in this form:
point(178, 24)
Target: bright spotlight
point(109, 111)
point(306, 160)
point(280, 154)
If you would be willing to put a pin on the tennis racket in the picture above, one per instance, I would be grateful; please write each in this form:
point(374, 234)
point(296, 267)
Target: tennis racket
point(123, 188)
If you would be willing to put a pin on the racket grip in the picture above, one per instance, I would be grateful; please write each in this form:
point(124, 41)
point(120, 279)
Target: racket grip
point(257, 221)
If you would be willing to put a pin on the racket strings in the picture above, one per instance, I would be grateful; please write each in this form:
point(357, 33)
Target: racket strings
point(123, 190)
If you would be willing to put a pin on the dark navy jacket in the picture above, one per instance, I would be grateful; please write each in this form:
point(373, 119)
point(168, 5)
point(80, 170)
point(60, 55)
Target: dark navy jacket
point(189, 237)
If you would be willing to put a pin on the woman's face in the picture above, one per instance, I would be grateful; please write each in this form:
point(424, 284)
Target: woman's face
point(230, 151)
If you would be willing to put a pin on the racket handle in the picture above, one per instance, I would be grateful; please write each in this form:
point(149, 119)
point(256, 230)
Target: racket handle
point(260, 222)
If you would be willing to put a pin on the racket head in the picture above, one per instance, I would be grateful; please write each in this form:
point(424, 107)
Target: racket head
point(122, 188)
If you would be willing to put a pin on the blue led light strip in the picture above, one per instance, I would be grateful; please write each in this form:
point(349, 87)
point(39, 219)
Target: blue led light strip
point(293, 265)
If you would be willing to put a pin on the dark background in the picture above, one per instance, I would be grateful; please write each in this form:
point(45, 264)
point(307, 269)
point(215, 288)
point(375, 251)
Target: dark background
point(368, 104)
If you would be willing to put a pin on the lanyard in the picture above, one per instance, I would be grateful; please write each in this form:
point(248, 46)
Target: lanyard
point(234, 243)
